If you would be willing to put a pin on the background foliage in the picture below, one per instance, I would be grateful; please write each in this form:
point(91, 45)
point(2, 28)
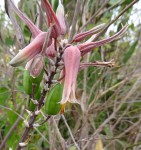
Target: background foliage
point(110, 114)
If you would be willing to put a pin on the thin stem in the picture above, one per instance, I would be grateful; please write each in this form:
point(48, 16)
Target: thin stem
point(70, 132)
point(59, 136)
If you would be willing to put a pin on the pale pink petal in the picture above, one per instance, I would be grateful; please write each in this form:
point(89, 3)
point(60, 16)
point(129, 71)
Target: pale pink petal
point(29, 51)
point(71, 61)
point(61, 17)
point(34, 30)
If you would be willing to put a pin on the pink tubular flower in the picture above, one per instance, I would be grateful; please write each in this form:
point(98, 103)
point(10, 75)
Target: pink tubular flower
point(72, 55)
point(51, 18)
point(34, 47)
point(29, 51)
point(71, 61)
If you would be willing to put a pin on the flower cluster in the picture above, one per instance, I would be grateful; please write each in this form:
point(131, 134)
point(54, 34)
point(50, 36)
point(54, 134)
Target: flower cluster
point(46, 44)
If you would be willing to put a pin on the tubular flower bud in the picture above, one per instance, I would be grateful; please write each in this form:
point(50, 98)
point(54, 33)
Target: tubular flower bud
point(71, 61)
point(50, 51)
point(81, 36)
point(87, 47)
point(29, 51)
point(51, 19)
point(34, 48)
point(36, 66)
point(61, 17)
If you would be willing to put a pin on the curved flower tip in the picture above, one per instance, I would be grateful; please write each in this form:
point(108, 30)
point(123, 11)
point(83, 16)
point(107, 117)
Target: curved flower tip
point(61, 17)
point(51, 18)
point(29, 51)
point(71, 61)
point(28, 64)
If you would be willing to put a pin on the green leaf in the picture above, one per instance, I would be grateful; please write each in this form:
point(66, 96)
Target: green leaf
point(112, 2)
point(72, 148)
point(130, 52)
point(12, 117)
point(122, 143)
point(4, 94)
point(9, 41)
point(108, 131)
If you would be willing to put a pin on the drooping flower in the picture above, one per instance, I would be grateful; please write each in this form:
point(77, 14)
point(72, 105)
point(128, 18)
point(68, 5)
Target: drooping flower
point(72, 55)
point(71, 58)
